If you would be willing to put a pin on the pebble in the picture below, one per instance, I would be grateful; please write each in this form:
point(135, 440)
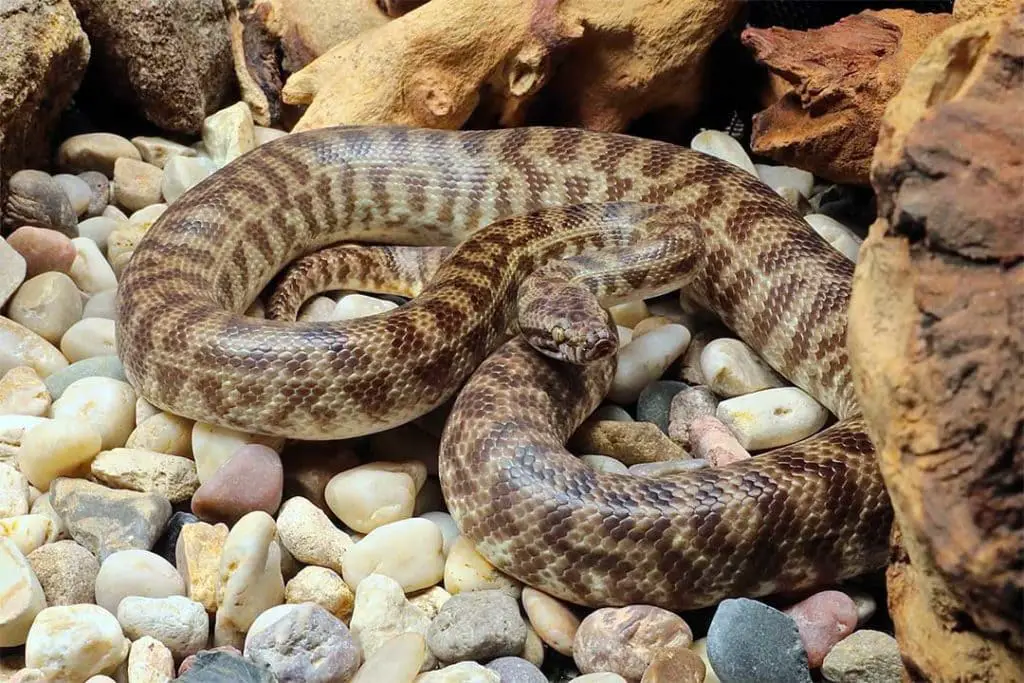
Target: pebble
point(398, 660)
point(108, 405)
point(553, 621)
point(624, 334)
point(149, 662)
point(675, 665)
point(866, 605)
point(602, 677)
point(22, 392)
point(303, 643)
point(97, 366)
point(179, 624)
point(381, 613)
point(481, 624)
point(252, 479)
point(655, 400)
point(67, 573)
point(99, 229)
point(21, 346)
point(212, 446)
point(28, 532)
point(77, 191)
point(99, 189)
point(101, 305)
point(163, 433)
point(648, 324)
point(317, 310)
point(182, 173)
point(864, 656)
point(668, 468)
point(106, 520)
point(224, 667)
point(158, 151)
point(409, 551)
point(645, 359)
point(13, 492)
point(516, 670)
point(687, 406)
point(323, 587)
point(229, 133)
point(360, 306)
point(629, 313)
point(265, 135)
point(844, 240)
point(778, 177)
point(197, 553)
point(136, 184)
point(171, 476)
point(56, 448)
point(43, 251)
point(449, 529)
point(90, 270)
point(42, 506)
point(372, 495)
point(712, 441)
point(722, 145)
point(48, 304)
point(772, 418)
point(463, 672)
point(309, 535)
point(823, 620)
point(13, 269)
point(135, 572)
point(121, 245)
point(88, 338)
point(74, 642)
point(700, 648)
point(627, 442)
point(751, 641)
point(624, 640)
point(602, 463)
point(114, 212)
point(733, 369)
point(467, 570)
point(250, 577)
point(23, 597)
point(610, 411)
point(35, 198)
point(94, 152)
point(430, 601)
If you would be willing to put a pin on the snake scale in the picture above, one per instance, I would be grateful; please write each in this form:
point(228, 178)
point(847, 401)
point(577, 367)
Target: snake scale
point(801, 516)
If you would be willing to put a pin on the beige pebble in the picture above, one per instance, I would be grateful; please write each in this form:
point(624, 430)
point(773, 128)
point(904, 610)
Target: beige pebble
point(136, 184)
point(397, 661)
point(553, 621)
point(630, 313)
point(13, 269)
point(13, 492)
point(179, 624)
point(105, 403)
point(23, 392)
point(624, 640)
point(229, 133)
point(309, 535)
point(43, 506)
point(21, 346)
point(112, 211)
point(23, 597)
point(733, 369)
point(603, 463)
point(94, 152)
point(163, 433)
point(48, 304)
point(146, 216)
point(601, 677)
point(98, 229)
point(372, 495)
point(138, 573)
point(74, 642)
point(645, 359)
point(158, 151)
point(625, 335)
point(197, 556)
point(844, 240)
point(145, 410)
point(250, 577)
point(212, 446)
point(317, 310)
point(149, 661)
point(429, 601)
point(463, 672)
point(67, 572)
point(648, 324)
point(57, 448)
point(88, 338)
point(12, 430)
point(772, 418)
point(467, 570)
point(265, 135)
point(722, 145)
point(183, 173)
point(382, 612)
point(101, 305)
point(714, 442)
point(533, 650)
point(449, 529)
point(77, 190)
point(28, 532)
point(701, 648)
point(359, 306)
point(321, 586)
point(409, 551)
point(90, 269)
point(172, 476)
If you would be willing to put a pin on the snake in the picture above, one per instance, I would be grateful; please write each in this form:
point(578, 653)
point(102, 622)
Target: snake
point(805, 515)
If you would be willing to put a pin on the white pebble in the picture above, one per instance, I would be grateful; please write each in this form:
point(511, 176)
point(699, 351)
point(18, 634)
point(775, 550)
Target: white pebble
point(78, 191)
point(48, 304)
point(319, 309)
point(645, 359)
point(13, 492)
point(375, 494)
point(250, 577)
point(309, 535)
point(12, 270)
point(23, 597)
point(162, 433)
point(463, 672)
point(265, 135)
point(179, 623)
point(603, 463)
point(146, 216)
point(625, 335)
point(21, 346)
point(399, 659)
point(149, 661)
point(145, 410)
point(731, 368)
point(88, 338)
point(724, 146)
point(159, 151)
point(602, 677)
point(42, 506)
point(105, 403)
point(229, 133)
point(98, 229)
point(778, 177)
point(411, 551)
point(74, 642)
point(835, 233)
point(135, 572)
point(359, 306)
point(382, 612)
point(90, 269)
point(772, 418)
point(57, 448)
point(553, 621)
point(446, 523)
point(467, 570)
point(182, 173)
point(22, 392)
point(27, 532)
point(101, 305)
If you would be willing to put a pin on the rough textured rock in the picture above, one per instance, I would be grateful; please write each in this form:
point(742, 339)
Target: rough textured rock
point(170, 61)
point(628, 442)
point(941, 282)
point(66, 571)
point(303, 643)
point(224, 667)
point(835, 82)
point(624, 640)
point(41, 65)
point(35, 198)
point(477, 625)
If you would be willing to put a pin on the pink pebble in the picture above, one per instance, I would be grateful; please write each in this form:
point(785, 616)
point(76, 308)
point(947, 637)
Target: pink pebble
point(712, 441)
point(252, 479)
point(43, 250)
point(823, 620)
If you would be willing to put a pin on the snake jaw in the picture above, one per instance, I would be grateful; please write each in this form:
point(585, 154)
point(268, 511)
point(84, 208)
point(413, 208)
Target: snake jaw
point(579, 345)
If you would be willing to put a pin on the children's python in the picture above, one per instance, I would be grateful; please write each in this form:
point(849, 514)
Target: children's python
point(801, 516)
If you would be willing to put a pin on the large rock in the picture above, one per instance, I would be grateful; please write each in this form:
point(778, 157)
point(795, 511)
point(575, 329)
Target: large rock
point(42, 61)
point(936, 347)
point(169, 60)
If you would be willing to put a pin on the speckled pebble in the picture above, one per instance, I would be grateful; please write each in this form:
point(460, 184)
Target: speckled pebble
point(409, 551)
point(136, 184)
point(553, 621)
point(310, 536)
point(43, 250)
point(74, 642)
point(864, 657)
point(323, 587)
point(655, 400)
point(171, 476)
point(516, 670)
point(303, 643)
point(382, 613)
point(687, 406)
point(675, 665)
point(481, 624)
point(823, 620)
point(750, 641)
point(624, 640)
point(627, 442)
point(197, 553)
point(67, 573)
point(97, 366)
point(99, 191)
point(772, 418)
point(467, 570)
point(252, 479)
point(149, 661)
point(714, 442)
point(645, 359)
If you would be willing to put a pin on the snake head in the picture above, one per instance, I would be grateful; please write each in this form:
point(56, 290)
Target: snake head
point(578, 343)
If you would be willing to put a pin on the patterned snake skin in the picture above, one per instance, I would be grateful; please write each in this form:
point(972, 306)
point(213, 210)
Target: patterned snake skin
point(804, 515)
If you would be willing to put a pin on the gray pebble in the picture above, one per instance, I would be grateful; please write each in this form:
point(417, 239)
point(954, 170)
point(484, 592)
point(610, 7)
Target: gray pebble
point(516, 670)
point(306, 644)
point(864, 657)
point(99, 186)
point(654, 401)
point(223, 667)
point(686, 407)
point(77, 190)
point(96, 366)
point(35, 198)
point(478, 625)
point(751, 642)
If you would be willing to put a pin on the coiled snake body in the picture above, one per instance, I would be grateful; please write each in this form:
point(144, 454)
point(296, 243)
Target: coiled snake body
point(801, 516)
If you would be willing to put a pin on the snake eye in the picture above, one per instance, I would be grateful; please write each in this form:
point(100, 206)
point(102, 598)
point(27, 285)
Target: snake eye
point(558, 334)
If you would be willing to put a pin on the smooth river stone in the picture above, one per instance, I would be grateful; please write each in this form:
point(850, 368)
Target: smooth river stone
point(23, 597)
point(722, 145)
point(28, 532)
point(733, 369)
point(77, 191)
point(712, 441)
point(751, 641)
point(13, 270)
point(158, 151)
point(183, 173)
point(43, 250)
point(835, 233)
point(375, 494)
point(624, 640)
point(772, 418)
point(90, 269)
point(13, 492)
point(398, 660)
point(108, 405)
point(21, 346)
point(381, 613)
point(777, 177)
point(411, 551)
point(97, 366)
point(250, 577)
point(180, 624)
point(864, 656)
point(467, 570)
point(229, 133)
point(35, 198)
point(74, 642)
point(99, 229)
point(823, 620)
point(645, 359)
point(602, 463)
point(22, 392)
point(88, 338)
point(655, 400)
point(553, 621)
point(49, 304)
point(56, 448)
point(135, 572)
point(163, 433)
point(252, 479)
point(149, 661)
point(94, 152)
